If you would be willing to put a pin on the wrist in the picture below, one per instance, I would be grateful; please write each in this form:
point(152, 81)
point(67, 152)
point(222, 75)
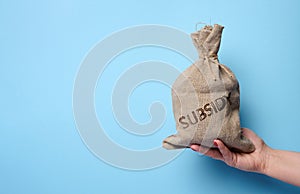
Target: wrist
point(267, 155)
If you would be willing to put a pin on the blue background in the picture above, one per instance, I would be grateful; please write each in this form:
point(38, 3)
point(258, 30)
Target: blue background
point(43, 44)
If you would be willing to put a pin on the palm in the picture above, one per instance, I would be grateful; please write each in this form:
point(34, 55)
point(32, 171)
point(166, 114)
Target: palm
point(248, 162)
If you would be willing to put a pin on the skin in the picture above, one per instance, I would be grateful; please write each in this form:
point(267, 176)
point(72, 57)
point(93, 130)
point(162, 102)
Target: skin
point(279, 164)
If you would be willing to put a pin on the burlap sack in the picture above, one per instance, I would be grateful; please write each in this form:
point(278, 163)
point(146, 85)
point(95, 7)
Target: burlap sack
point(206, 99)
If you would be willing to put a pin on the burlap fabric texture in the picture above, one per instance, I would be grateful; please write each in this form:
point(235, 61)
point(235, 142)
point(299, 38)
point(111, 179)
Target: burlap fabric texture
point(206, 99)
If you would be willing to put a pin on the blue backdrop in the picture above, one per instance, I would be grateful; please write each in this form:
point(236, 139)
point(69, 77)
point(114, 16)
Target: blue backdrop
point(42, 46)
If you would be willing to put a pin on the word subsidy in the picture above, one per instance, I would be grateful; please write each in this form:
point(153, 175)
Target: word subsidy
point(202, 113)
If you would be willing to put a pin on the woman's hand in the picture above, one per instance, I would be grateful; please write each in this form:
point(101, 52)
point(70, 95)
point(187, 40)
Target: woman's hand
point(254, 162)
point(279, 164)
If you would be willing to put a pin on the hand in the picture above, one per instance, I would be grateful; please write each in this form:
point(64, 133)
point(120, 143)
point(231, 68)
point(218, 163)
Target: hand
point(253, 162)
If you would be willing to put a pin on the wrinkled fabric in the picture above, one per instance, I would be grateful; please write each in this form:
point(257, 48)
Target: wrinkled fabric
point(206, 99)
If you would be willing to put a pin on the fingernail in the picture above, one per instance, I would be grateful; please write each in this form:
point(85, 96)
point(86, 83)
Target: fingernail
point(215, 143)
point(193, 148)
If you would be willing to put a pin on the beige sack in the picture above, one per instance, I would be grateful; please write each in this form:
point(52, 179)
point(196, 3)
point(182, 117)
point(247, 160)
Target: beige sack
point(206, 99)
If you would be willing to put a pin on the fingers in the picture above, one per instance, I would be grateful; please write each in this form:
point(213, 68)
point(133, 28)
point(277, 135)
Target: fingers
point(228, 156)
point(195, 147)
point(215, 154)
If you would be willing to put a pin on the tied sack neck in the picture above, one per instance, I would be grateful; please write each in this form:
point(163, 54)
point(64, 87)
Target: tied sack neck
point(207, 41)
